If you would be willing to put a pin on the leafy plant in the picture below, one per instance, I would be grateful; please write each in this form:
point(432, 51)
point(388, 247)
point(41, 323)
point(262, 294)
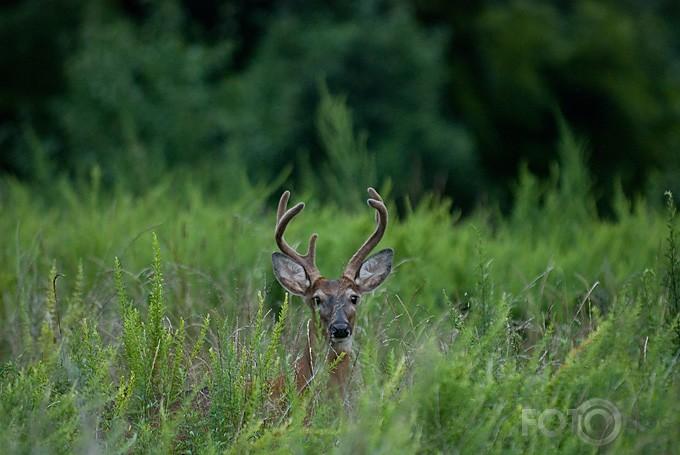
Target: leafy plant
point(155, 355)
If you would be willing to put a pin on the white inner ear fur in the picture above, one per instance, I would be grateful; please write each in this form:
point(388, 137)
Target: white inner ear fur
point(361, 278)
point(374, 270)
point(290, 274)
point(295, 272)
point(369, 268)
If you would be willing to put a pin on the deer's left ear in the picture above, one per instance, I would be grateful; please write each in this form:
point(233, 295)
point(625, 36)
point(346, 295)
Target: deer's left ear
point(374, 270)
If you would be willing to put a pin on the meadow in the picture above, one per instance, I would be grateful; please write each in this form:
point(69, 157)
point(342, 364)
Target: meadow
point(549, 329)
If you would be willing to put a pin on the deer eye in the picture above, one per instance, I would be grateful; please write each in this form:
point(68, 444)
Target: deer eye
point(317, 300)
point(354, 299)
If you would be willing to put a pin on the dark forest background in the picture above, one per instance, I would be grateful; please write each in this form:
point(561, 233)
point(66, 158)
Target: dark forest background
point(454, 98)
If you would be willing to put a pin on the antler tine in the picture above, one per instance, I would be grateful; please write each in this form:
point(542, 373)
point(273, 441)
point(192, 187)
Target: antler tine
point(283, 203)
point(374, 194)
point(283, 217)
point(381, 219)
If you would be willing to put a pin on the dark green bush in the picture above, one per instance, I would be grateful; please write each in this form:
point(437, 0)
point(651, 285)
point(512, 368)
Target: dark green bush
point(142, 100)
point(391, 75)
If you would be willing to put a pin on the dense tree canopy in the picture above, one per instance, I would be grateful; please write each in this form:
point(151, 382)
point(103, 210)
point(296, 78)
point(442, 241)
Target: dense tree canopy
point(450, 97)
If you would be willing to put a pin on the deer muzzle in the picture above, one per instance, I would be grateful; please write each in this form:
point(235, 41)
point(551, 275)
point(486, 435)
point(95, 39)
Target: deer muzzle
point(340, 330)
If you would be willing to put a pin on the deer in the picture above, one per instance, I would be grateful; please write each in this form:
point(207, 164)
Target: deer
point(333, 302)
point(333, 305)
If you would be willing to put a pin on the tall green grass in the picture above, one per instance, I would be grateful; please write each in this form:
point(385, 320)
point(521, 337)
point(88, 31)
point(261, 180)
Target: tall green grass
point(118, 314)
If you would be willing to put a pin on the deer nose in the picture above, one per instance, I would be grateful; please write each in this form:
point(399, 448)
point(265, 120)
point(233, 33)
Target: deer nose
point(340, 330)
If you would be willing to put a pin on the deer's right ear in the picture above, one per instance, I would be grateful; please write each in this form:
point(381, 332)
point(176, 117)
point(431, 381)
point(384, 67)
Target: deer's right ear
point(290, 274)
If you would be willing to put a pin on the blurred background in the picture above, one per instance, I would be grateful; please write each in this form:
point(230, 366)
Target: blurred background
point(454, 98)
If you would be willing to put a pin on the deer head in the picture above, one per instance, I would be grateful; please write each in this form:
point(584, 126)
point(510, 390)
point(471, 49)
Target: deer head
point(333, 302)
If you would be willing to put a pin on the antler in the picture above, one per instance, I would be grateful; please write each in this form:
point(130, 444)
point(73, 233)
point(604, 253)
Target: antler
point(381, 219)
point(283, 217)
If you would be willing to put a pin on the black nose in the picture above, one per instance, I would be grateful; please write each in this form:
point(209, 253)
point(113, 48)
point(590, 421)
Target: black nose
point(341, 330)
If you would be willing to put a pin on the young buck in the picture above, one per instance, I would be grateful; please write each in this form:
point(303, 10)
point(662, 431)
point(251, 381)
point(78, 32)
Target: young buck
point(333, 302)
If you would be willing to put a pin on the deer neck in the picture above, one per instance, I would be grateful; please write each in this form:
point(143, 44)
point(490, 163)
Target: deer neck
point(318, 347)
point(339, 373)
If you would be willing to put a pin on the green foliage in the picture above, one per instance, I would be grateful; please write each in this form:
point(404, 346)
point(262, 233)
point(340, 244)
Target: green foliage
point(673, 274)
point(64, 377)
point(155, 355)
point(450, 97)
point(245, 368)
point(350, 168)
point(602, 64)
point(564, 201)
point(146, 95)
point(28, 393)
point(488, 330)
point(395, 99)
